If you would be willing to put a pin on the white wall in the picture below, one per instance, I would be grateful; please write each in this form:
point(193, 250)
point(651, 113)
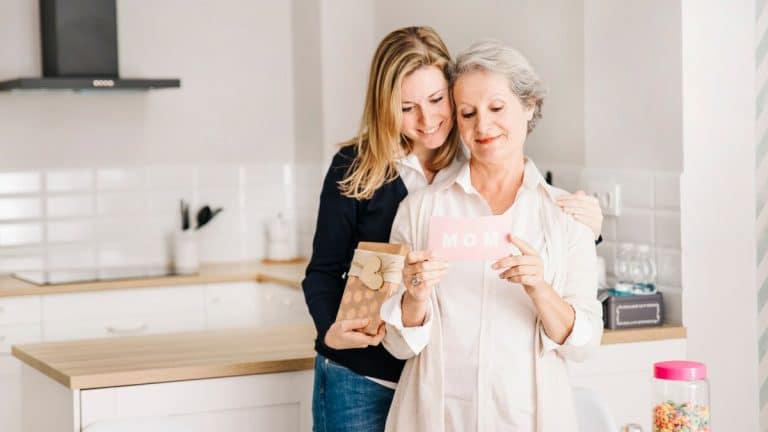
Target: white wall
point(632, 94)
point(549, 33)
point(717, 203)
point(235, 103)
point(347, 47)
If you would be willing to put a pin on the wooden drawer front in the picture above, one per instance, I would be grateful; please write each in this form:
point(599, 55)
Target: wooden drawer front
point(122, 303)
point(124, 326)
point(19, 310)
point(16, 335)
point(231, 305)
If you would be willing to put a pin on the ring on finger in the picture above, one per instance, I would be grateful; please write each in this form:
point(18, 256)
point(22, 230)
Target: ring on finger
point(415, 280)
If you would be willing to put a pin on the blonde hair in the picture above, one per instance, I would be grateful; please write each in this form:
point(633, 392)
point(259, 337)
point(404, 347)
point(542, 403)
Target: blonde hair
point(494, 57)
point(378, 140)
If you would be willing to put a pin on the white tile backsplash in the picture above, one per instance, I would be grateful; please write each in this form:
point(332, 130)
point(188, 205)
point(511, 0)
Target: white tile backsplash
point(20, 182)
point(69, 206)
point(70, 231)
point(20, 234)
point(609, 228)
point(221, 175)
point(668, 267)
point(121, 203)
point(635, 225)
point(120, 178)
point(667, 187)
point(69, 181)
point(21, 262)
point(636, 189)
point(124, 215)
point(71, 257)
point(176, 177)
point(21, 258)
point(673, 304)
point(607, 250)
point(20, 208)
point(668, 229)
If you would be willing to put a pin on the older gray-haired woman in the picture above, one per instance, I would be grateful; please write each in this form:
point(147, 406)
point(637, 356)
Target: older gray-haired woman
point(487, 341)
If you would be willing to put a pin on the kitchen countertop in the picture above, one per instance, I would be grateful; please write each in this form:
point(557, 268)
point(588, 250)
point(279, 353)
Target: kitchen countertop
point(289, 274)
point(132, 360)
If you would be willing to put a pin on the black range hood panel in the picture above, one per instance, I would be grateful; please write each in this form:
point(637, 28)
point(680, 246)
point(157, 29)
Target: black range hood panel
point(79, 50)
point(101, 84)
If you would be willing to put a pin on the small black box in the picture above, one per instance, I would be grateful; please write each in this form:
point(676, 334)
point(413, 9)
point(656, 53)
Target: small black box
point(79, 38)
point(631, 311)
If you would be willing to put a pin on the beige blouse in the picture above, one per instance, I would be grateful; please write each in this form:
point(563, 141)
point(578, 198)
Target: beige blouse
point(478, 363)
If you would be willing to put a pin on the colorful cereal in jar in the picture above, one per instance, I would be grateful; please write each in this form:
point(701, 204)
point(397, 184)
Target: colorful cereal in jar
point(672, 417)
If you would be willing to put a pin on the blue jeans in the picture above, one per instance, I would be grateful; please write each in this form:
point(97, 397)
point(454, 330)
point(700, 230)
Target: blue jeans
point(343, 401)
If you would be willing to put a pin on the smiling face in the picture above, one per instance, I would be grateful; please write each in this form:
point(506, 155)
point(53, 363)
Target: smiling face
point(427, 118)
point(492, 120)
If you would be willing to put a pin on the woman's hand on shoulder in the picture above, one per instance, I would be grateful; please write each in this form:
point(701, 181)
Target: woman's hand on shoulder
point(584, 209)
point(346, 334)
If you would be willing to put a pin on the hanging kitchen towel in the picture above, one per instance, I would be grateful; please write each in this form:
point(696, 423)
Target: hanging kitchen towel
point(374, 277)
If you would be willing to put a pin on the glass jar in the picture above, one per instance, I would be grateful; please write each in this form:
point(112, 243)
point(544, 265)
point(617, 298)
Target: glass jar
point(622, 270)
point(680, 397)
point(643, 270)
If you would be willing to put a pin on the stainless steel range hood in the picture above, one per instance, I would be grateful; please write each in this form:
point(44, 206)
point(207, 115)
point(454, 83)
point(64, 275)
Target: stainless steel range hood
point(79, 48)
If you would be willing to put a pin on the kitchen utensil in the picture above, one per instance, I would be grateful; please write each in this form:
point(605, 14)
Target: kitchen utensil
point(184, 216)
point(205, 214)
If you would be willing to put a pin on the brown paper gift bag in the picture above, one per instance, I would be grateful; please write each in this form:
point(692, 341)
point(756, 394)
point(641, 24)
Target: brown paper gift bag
point(374, 277)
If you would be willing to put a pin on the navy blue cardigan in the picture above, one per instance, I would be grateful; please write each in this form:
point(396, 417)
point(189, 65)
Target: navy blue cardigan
point(342, 222)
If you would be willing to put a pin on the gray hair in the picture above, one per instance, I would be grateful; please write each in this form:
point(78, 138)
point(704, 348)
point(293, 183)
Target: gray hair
point(492, 56)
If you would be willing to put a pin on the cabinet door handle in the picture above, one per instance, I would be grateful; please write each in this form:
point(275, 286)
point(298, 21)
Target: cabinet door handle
point(127, 331)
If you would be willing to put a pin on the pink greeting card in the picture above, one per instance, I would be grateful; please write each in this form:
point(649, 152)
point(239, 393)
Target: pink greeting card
point(469, 239)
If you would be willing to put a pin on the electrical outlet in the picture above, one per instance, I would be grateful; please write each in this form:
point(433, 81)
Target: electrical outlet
point(608, 194)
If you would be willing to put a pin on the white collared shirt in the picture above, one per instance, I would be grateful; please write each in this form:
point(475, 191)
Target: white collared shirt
point(412, 174)
point(488, 323)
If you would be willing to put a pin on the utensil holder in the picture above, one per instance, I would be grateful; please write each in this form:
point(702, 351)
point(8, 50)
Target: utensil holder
point(186, 259)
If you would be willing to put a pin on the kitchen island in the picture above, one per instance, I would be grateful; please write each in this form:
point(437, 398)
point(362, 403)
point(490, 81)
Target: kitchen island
point(234, 380)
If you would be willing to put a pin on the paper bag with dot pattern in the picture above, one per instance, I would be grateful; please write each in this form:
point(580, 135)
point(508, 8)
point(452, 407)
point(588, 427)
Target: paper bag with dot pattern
point(374, 277)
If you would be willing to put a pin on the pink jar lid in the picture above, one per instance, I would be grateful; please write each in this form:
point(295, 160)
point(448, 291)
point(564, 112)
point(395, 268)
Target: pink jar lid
point(680, 370)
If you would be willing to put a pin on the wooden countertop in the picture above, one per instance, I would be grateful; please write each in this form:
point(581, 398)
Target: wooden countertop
point(644, 334)
point(287, 274)
point(149, 359)
point(111, 362)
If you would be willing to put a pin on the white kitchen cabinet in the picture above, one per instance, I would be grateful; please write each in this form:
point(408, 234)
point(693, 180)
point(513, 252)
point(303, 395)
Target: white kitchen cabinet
point(230, 305)
point(621, 374)
point(281, 305)
point(19, 310)
point(125, 302)
point(10, 394)
point(268, 402)
point(10, 379)
point(123, 326)
point(123, 313)
point(18, 334)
